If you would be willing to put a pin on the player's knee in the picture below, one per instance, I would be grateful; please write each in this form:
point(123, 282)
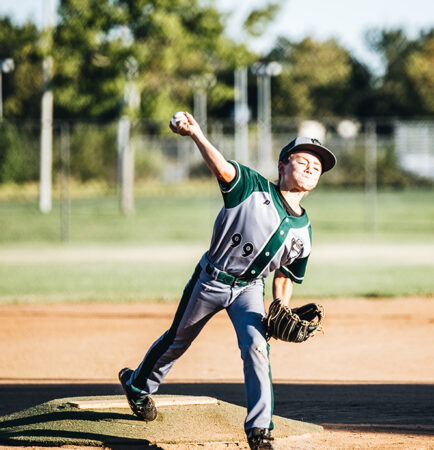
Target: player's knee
point(256, 352)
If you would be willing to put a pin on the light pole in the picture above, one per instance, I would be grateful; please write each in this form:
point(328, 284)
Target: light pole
point(241, 116)
point(201, 85)
point(264, 72)
point(6, 66)
point(125, 148)
point(46, 141)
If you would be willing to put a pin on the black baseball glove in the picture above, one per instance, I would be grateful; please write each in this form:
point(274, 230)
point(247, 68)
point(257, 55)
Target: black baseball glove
point(292, 325)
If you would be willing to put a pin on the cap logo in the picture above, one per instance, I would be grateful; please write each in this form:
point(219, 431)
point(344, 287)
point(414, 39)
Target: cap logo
point(316, 141)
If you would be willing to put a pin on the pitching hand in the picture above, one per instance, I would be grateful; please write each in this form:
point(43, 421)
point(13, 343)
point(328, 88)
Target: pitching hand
point(186, 127)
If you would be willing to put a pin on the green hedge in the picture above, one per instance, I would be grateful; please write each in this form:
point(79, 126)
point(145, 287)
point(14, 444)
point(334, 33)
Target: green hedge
point(19, 154)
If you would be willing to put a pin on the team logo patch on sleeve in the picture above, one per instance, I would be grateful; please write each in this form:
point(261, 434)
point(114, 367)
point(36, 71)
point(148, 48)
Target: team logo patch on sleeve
point(296, 248)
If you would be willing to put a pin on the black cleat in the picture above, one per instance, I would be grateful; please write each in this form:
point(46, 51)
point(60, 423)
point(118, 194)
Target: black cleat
point(260, 439)
point(142, 405)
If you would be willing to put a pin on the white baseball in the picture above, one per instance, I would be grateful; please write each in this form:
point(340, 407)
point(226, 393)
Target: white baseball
point(177, 118)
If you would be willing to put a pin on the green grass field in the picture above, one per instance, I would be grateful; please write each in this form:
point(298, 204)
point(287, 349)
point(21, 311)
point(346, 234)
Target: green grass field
point(187, 216)
point(396, 260)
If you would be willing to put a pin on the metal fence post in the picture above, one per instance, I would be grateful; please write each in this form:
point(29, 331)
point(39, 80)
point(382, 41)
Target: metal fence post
point(371, 177)
point(126, 166)
point(65, 199)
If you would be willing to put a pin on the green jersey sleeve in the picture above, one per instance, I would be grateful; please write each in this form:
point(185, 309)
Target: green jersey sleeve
point(245, 182)
point(296, 270)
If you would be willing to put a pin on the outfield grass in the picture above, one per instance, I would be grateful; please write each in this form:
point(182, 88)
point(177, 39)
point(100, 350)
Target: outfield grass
point(98, 220)
point(183, 216)
point(113, 282)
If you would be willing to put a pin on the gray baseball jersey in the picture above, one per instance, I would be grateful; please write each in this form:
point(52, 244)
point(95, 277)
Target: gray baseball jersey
point(254, 235)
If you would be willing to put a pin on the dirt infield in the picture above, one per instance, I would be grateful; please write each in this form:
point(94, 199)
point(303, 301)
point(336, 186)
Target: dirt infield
point(369, 380)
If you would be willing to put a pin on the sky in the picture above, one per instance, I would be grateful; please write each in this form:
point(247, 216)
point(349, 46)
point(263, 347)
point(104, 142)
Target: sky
point(344, 20)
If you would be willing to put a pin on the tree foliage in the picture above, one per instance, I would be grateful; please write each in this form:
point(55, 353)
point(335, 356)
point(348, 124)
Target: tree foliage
point(406, 89)
point(318, 79)
point(106, 50)
point(259, 19)
point(419, 68)
point(324, 79)
point(170, 41)
point(21, 87)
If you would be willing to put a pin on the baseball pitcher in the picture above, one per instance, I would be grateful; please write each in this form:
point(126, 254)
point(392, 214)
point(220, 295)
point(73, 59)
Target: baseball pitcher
point(260, 229)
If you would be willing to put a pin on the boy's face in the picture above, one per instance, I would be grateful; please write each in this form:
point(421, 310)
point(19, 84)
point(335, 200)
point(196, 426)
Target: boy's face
point(301, 173)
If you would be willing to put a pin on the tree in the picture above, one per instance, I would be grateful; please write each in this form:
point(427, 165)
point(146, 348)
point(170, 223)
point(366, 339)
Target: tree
point(318, 79)
point(22, 87)
point(259, 19)
point(406, 88)
point(420, 70)
point(170, 40)
point(90, 60)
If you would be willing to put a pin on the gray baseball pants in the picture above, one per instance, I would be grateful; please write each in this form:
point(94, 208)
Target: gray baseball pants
point(202, 298)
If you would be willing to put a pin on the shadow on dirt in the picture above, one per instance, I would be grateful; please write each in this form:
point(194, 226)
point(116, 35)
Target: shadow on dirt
point(109, 441)
point(393, 408)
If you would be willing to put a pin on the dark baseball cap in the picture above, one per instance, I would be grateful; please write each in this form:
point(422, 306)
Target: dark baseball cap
point(328, 159)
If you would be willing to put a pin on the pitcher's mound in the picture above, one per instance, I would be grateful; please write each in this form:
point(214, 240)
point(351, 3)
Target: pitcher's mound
point(183, 422)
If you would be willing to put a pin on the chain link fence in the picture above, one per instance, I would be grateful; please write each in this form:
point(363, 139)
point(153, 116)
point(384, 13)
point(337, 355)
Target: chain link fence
point(120, 160)
point(89, 153)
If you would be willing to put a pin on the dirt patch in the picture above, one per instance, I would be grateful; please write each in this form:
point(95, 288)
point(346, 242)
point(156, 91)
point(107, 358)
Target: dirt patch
point(369, 380)
point(354, 252)
point(97, 254)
